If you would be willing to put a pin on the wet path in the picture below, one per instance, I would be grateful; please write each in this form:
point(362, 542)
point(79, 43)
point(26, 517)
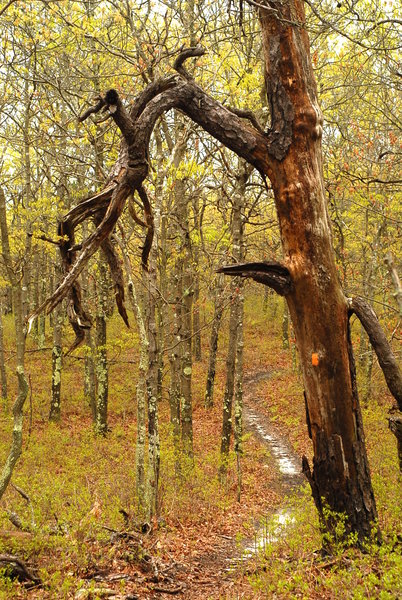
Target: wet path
point(283, 459)
point(215, 573)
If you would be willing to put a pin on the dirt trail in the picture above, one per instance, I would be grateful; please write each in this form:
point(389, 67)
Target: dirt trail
point(285, 460)
point(215, 573)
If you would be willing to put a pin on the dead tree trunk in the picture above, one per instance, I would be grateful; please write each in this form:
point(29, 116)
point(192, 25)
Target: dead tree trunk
point(289, 153)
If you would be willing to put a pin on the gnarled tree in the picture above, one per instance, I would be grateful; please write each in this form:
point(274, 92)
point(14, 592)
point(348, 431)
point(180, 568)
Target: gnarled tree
point(289, 154)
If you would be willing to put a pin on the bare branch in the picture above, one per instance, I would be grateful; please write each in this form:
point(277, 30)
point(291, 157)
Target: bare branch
point(247, 114)
point(3, 10)
point(127, 177)
point(378, 340)
point(92, 110)
point(272, 274)
point(185, 55)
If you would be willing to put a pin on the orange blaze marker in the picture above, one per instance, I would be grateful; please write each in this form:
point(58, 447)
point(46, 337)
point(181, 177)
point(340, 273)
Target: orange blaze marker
point(314, 359)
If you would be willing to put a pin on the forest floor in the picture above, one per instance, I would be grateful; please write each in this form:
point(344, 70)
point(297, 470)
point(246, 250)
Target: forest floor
point(215, 561)
point(77, 529)
point(222, 563)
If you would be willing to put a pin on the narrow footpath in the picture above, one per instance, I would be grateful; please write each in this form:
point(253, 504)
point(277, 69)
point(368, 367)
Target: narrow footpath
point(216, 574)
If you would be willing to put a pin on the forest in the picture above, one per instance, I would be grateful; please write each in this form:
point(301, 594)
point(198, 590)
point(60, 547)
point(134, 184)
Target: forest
point(200, 299)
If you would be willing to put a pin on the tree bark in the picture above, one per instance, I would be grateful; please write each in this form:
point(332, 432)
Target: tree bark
point(235, 321)
point(238, 391)
point(395, 280)
point(141, 391)
point(379, 342)
point(89, 362)
point(3, 373)
point(285, 327)
point(18, 406)
point(152, 387)
point(317, 306)
point(213, 342)
point(55, 407)
point(101, 365)
point(197, 351)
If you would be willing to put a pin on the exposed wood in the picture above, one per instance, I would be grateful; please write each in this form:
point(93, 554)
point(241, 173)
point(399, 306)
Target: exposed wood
point(290, 155)
point(15, 568)
point(317, 306)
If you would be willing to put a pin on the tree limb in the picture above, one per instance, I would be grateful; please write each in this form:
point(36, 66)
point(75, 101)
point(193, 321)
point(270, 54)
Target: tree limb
point(136, 125)
point(378, 340)
point(272, 274)
point(183, 56)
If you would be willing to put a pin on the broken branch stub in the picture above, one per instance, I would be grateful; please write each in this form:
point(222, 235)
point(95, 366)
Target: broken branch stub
point(273, 274)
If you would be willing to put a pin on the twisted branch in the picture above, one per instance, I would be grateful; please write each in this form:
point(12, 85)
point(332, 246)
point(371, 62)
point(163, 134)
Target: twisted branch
point(228, 126)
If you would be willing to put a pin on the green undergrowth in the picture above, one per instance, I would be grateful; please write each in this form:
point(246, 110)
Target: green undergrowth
point(293, 564)
point(77, 485)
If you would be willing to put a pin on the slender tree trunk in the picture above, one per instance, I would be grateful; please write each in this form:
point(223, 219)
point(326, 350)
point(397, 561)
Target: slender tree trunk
point(101, 367)
point(213, 341)
point(18, 407)
point(181, 356)
point(368, 370)
point(3, 373)
point(42, 275)
point(35, 299)
point(89, 362)
point(229, 386)
point(238, 392)
point(55, 406)
point(197, 352)
point(89, 373)
point(285, 327)
point(152, 387)
point(174, 361)
point(186, 362)
point(235, 321)
point(141, 391)
point(151, 297)
point(395, 280)
point(26, 158)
